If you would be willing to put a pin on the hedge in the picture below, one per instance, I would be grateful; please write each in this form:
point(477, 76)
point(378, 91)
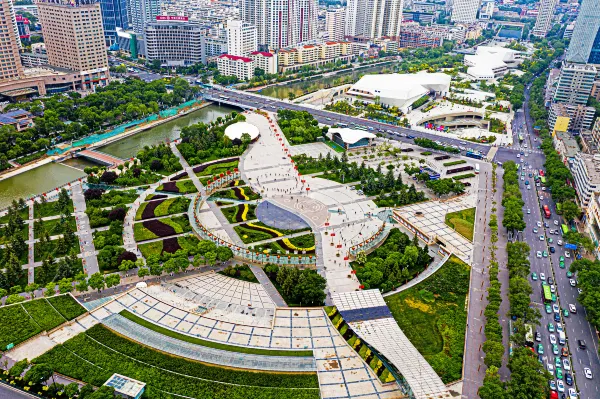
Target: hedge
point(459, 162)
point(15, 325)
point(43, 314)
point(68, 307)
point(465, 176)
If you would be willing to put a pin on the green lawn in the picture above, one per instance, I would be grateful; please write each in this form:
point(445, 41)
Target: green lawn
point(188, 243)
point(68, 307)
point(42, 210)
point(16, 325)
point(335, 146)
point(211, 344)
point(186, 186)
point(43, 314)
point(248, 235)
point(140, 233)
point(433, 316)
point(41, 253)
point(334, 176)
point(463, 222)
point(55, 227)
point(168, 207)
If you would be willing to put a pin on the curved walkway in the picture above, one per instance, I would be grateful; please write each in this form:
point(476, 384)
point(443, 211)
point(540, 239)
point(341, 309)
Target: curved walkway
point(428, 272)
point(200, 353)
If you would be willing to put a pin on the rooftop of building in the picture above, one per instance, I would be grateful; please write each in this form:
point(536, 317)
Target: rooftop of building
point(11, 116)
point(578, 67)
point(125, 385)
point(235, 58)
point(351, 136)
point(571, 146)
point(263, 53)
point(592, 166)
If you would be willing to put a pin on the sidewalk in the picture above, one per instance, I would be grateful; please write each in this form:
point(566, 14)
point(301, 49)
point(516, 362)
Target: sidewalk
point(86, 238)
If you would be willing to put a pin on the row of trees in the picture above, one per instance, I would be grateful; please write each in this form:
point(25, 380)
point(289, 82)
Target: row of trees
point(299, 127)
point(512, 199)
point(302, 287)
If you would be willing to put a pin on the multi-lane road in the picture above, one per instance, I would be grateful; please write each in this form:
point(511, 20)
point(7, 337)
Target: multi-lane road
point(576, 325)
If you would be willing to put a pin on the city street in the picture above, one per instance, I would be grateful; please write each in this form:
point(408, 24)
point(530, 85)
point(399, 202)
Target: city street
point(576, 325)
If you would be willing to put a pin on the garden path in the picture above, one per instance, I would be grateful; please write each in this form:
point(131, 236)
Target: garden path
point(30, 256)
point(86, 239)
point(264, 280)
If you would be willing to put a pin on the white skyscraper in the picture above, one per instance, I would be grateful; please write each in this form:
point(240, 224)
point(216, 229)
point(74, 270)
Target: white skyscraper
point(543, 22)
point(465, 11)
point(281, 23)
point(241, 38)
point(141, 13)
point(373, 18)
point(334, 23)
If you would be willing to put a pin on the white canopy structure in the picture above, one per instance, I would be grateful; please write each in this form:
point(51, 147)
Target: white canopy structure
point(399, 90)
point(351, 138)
point(236, 131)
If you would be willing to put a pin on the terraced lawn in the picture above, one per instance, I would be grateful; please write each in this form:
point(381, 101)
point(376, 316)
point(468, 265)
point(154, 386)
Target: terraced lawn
point(463, 222)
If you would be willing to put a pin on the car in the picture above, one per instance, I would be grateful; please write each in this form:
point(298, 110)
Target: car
point(552, 288)
point(557, 317)
point(538, 337)
point(572, 308)
point(528, 187)
point(552, 250)
point(546, 225)
point(534, 276)
point(538, 254)
point(562, 258)
point(569, 274)
point(541, 197)
point(572, 282)
point(566, 364)
point(559, 242)
point(550, 368)
point(565, 312)
point(528, 211)
point(552, 339)
point(551, 231)
point(568, 255)
point(548, 308)
point(559, 328)
point(535, 230)
point(542, 276)
point(555, 307)
point(552, 385)
point(522, 178)
point(559, 373)
point(542, 238)
point(588, 373)
point(550, 240)
point(564, 352)
point(553, 297)
point(556, 361)
point(556, 222)
point(560, 386)
point(581, 344)
point(550, 280)
point(518, 155)
point(572, 393)
point(539, 224)
point(545, 254)
point(530, 175)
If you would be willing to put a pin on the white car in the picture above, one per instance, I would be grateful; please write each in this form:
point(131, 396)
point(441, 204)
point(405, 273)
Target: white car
point(556, 222)
point(559, 328)
point(553, 339)
point(588, 373)
point(567, 254)
point(572, 308)
point(572, 393)
point(541, 197)
point(528, 211)
point(559, 242)
point(528, 187)
point(518, 155)
point(553, 290)
point(555, 307)
point(560, 386)
point(538, 254)
point(550, 368)
point(542, 238)
point(539, 224)
point(542, 276)
point(566, 364)
point(572, 282)
point(522, 178)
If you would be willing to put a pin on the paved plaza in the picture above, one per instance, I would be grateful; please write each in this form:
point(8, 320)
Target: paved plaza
point(272, 215)
point(312, 150)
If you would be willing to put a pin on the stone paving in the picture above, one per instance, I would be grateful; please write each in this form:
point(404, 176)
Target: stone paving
point(86, 238)
point(277, 217)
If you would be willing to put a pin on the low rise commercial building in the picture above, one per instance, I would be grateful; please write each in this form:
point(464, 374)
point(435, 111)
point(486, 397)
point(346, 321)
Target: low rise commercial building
point(30, 60)
point(566, 146)
point(415, 37)
point(314, 55)
point(18, 118)
point(592, 223)
point(586, 175)
point(233, 65)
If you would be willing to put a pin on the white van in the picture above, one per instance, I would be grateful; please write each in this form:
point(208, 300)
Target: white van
point(562, 339)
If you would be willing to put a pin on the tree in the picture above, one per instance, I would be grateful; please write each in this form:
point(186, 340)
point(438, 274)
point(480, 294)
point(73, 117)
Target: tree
point(39, 374)
point(224, 254)
point(211, 258)
point(82, 283)
point(50, 289)
point(96, 281)
point(310, 289)
point(570, 210)
point(112, 280)
point(14, 298)
point(143, 272)
point(65, 285)
point(205, 246)
point(361, 257)
point(18, 368)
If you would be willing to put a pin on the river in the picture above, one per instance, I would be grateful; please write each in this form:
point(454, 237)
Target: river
point(305, 87)
point(49, 176)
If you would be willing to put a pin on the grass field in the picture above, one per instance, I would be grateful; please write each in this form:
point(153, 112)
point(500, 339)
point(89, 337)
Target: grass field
point(433, 316)
point(54, 227)
point(41, 254)
point(463, 222)
point(42, 210)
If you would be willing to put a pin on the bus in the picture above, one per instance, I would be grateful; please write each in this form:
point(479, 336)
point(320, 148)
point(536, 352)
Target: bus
point(546, 293)
point(224, 98)
point(472, 154)
point(476, 168)
point(360, 127)
point(340, 124)
point(546, 210)
point(529, 339)
point(564, 228)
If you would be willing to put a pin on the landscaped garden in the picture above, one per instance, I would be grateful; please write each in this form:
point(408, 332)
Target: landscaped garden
point(54, 227)
point(238, 193)
point(64, 206)
point(358, 345)
point(220, 166)
point(162, 207)
point(55, 248)
point(165, 227)
point(22, 321)
point(299, 127)
point(180, 187)
point(239, 213)
point(170, 245)
point(433, 316)
point(304, 243)
point(258, 231)
point(463, 222)
point(298, 287)
point(396, 261)
point(105, 353)
point(240, 272)
point(98, 198)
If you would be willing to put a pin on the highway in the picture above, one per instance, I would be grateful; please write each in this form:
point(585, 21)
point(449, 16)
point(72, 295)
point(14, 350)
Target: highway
point(576, 325)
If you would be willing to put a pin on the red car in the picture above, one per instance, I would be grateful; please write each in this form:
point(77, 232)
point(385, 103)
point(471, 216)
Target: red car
point(542, 173)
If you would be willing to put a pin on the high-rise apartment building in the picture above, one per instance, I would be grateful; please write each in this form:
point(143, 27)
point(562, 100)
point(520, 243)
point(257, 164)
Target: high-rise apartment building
point(543, 22)
point(241, 38)
point(373, 18)
point(335, 23)
point(281, 23)
point(142, 12)
point(74, 39)
point(575, 83)
point(465, 11)
point(174, 41)
point(10, 61)
point(585, 43)
point(114, 15)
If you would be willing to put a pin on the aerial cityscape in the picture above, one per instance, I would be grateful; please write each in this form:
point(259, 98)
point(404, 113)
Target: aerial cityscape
point(303, 199)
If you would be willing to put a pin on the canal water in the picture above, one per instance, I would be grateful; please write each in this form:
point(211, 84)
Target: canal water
point(49, 176)
point(309, 86)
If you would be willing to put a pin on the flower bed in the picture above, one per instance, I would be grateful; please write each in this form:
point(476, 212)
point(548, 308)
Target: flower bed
point(181, 187)
point(238, 193)
point(465, 176)
point(258, 231)
point(301, 243)
point(111, 353)
point(170, 246)
point(239, 213)
point(236, 183)
point(156, 196)
point(164, 207)
point(179, 176)
point(151, 229)
point(146, 210)
point(217, 166)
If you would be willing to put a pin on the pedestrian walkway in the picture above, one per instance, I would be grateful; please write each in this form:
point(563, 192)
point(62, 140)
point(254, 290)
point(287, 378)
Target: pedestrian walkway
point(264, 280)
point(86, 238)
point(30, 254)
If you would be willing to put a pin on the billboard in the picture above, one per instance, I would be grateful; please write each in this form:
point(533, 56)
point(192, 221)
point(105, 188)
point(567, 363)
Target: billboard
point(171, 18)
